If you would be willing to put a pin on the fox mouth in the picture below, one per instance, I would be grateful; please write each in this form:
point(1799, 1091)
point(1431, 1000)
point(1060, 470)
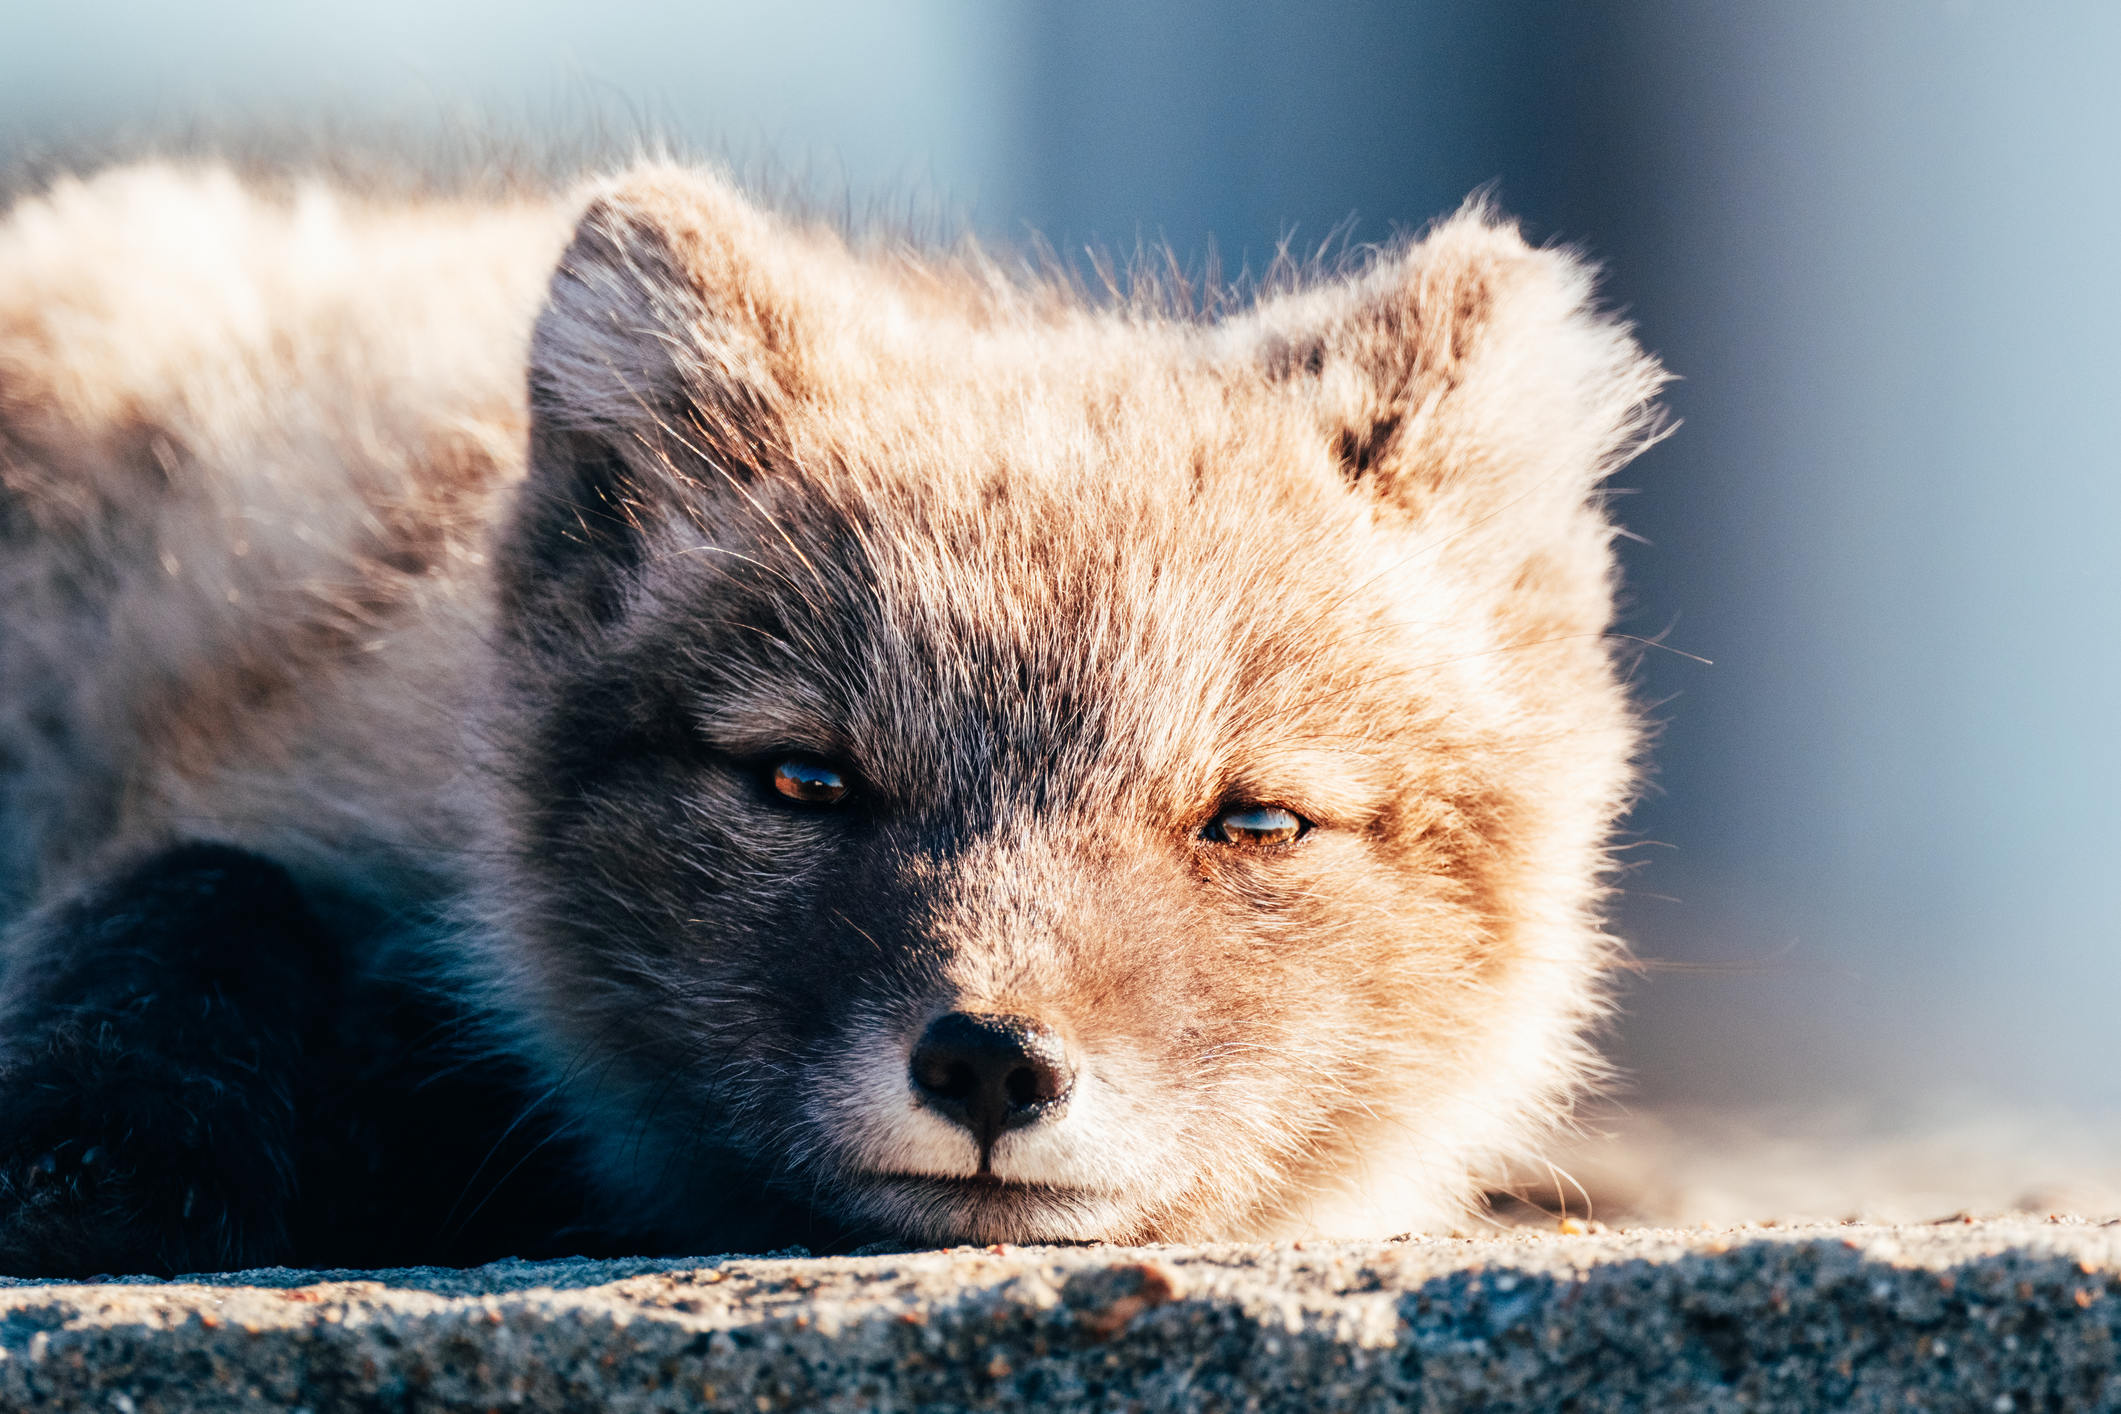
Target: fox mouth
point(984, 1182)
point(947, 1208)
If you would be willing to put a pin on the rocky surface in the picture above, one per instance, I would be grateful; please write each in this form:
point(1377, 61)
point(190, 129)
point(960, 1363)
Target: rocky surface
point(2011, 1314)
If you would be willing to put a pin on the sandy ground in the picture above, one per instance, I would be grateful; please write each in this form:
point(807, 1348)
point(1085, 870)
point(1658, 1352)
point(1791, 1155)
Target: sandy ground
point(1682, 1167)
point(2005, 1314)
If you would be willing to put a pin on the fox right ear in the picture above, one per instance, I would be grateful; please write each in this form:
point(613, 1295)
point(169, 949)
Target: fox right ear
point(663, 350)
point(1467, 376)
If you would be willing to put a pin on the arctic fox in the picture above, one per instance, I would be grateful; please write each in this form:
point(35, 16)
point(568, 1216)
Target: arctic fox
point(689, 729)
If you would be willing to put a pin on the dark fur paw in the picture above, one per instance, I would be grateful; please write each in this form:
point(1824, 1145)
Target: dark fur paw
point(70, 1172)
point(155, 1032)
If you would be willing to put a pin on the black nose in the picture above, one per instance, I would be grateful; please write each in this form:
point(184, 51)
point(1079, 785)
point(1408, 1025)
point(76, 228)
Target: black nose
point(991, 1073)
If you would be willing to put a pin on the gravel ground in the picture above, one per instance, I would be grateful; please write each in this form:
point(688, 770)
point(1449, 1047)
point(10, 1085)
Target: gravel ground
point(2009, 1314)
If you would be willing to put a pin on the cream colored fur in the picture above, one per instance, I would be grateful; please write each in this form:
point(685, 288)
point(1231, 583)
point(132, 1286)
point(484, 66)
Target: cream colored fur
point(255, 447)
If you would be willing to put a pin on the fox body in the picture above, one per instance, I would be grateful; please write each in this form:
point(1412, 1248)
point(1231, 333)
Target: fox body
point(878, 745)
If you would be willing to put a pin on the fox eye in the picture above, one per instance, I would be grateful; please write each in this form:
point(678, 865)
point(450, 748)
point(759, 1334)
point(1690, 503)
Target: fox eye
point(1257, 825)
point(810, 782)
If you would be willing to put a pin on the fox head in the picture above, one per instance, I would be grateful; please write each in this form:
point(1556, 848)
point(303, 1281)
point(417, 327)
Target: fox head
point(983, 766)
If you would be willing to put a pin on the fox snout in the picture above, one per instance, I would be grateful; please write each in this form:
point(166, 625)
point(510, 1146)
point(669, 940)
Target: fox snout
point(992, 1073)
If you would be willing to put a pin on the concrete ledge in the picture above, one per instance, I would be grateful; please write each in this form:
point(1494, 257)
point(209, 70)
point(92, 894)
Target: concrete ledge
point(2013, 1314)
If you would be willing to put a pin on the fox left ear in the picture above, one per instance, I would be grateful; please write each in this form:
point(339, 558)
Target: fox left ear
point(669, 345)
point(1466, 376)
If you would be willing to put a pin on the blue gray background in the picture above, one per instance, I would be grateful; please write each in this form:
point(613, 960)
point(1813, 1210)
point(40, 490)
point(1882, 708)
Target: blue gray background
point(1875, 239)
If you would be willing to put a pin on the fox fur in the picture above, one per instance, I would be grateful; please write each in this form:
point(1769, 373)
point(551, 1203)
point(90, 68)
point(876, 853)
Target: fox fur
point(470, 561)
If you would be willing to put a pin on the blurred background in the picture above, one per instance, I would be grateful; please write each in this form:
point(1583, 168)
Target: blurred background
point(1877, 891)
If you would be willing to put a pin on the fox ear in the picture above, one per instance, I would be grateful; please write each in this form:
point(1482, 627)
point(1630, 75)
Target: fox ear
point(1467, 378)
point(667, 342)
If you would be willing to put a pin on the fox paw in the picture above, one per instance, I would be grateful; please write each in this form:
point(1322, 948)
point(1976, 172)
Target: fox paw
point(147, 1118)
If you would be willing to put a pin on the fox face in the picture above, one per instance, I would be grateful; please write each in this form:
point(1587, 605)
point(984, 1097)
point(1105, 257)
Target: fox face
point(986, 768)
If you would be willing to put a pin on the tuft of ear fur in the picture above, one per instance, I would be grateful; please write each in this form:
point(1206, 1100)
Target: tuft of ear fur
point(1467, 376)
point(669, 336)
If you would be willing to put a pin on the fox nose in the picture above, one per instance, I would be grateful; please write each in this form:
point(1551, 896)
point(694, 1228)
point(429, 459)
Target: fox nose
point(992, 1073)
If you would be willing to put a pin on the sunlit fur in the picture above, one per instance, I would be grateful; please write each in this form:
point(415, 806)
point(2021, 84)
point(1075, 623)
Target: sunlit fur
point(289, 559)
